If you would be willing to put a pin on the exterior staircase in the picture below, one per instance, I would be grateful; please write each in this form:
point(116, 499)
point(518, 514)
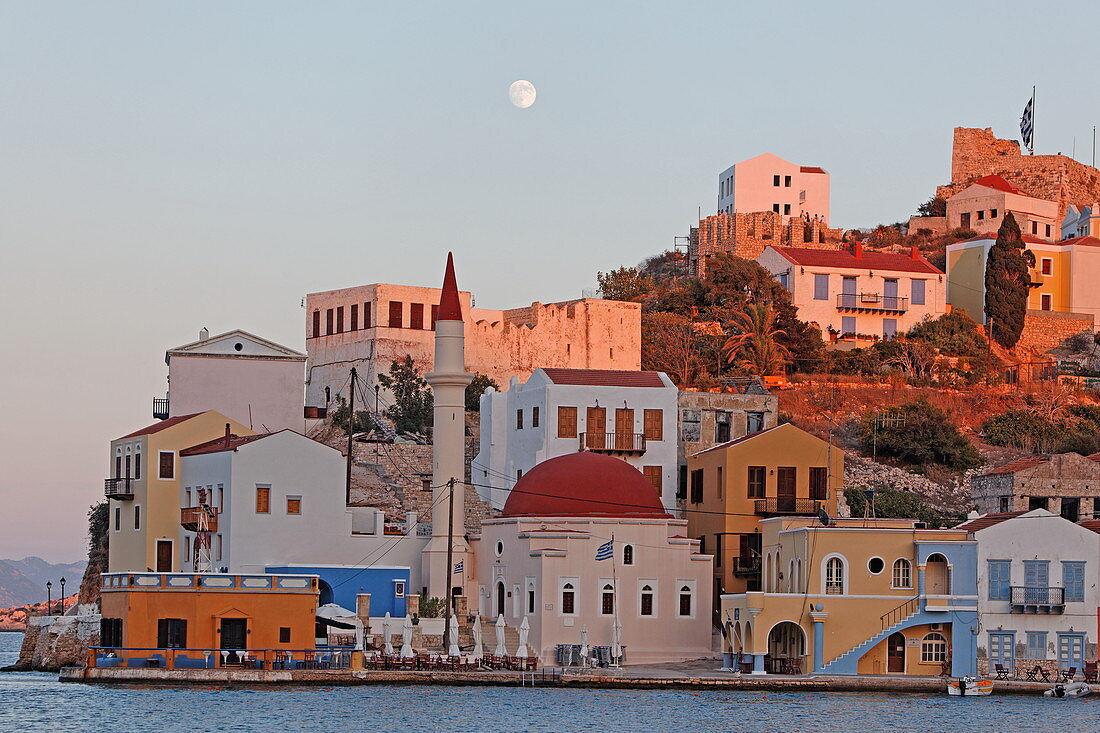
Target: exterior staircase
point(902, 614)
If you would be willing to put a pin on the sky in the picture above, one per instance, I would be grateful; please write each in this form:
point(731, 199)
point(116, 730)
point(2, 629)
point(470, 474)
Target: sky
point(166, 166)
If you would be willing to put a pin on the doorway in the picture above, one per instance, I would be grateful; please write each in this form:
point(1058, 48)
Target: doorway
point(895, 653)
point(595, 427)
point(937, 576)
point(164, 556)
point(624, 429)
point(500, 598)
point(785, 489)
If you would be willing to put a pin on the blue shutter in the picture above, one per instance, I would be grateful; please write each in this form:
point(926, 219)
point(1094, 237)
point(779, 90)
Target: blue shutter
point(821, 287)
point(918, 292)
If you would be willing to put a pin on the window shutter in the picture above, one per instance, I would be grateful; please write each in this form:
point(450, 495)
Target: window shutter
point(653, 424)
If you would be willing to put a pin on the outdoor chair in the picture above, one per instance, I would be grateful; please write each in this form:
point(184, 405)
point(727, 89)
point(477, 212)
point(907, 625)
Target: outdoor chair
point(1037, 672)
point(1090, 672)
point(1002, 673)
point(945, 668)
point(1068, 674)
point(532, 664)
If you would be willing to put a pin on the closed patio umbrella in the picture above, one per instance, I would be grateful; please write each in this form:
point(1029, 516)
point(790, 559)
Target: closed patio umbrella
point(387, 647)
point(452, 639)
point(407, 639)
point(585, 651)
point(500, 651)
point(616, 648)
point(478, 651)
point(524, 629)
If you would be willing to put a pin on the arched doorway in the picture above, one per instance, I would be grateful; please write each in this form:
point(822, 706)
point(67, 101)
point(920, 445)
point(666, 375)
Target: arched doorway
point(326, 592)
point(895, 653)
point(501, 593)
point(786, 648)
point(937, 576)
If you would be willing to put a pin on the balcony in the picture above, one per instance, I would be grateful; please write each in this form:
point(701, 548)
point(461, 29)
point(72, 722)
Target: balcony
point(871, 303)
point(160, 409)
point(620, 443)
point(189, 518)
point(1030, 599)
point(746, 565)
point(118, 488)
point(787, 505)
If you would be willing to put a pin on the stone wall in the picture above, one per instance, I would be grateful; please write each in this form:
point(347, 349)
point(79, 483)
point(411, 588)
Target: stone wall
point(1044, 330)
point(1060, 476)
point(863, 473)
point(747, 234)
point(977, 152)
point(52, 642)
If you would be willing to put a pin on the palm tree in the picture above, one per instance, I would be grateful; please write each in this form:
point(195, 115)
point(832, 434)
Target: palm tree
point(755, 346)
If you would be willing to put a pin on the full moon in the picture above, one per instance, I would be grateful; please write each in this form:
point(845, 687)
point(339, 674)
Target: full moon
point(522, 93)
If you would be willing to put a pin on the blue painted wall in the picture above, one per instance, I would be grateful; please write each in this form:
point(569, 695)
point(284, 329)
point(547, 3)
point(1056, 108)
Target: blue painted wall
point(340, 585)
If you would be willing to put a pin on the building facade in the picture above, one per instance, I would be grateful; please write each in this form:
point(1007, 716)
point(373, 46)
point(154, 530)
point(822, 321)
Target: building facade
point(584, 545)
point(370, 326)
point(859, 596)
point(631, 415)
point(1037, 577)
point(856, 292)
point(981, 208)
point(1081, 221)
point(781, 471)
point(1067, 484)
point(766, 182)
point(746, 235)
point(144, 486)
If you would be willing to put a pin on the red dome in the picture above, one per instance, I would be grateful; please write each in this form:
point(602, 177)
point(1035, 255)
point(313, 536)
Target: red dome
point(584, 485)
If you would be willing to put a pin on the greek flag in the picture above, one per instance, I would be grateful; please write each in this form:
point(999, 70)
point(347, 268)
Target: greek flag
point(1027, 123)
point(604, 551)
point(458, 568)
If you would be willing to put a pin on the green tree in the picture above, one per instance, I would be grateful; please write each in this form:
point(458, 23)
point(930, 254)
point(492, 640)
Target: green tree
point(1024, 429)
point(671, 344)
point(934, 206)
point(921, 435)
point(669, 265)
point(413, 401)
point(625, 283)
point(476, 388)
point(363, 420)
point(756, 345)
point(1007, 279)
point(892, 504)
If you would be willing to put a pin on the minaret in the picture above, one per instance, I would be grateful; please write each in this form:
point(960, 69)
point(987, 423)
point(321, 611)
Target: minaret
point(448, 379)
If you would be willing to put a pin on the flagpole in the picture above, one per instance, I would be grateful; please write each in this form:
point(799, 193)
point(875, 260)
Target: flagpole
point(1032, 148)
point(615, 599)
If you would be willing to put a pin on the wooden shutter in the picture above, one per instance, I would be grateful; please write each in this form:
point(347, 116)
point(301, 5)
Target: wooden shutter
point(435, 315)
point(595, 426)
point(396, 307)
point(654, 424)
point(340, 319)
point(316, 324)
point(354, 316)
point(819, 483)
point(416, 315)
point(263, 500)
point(654, 474)
point(567, 422)
point(167, 464)
point(328, 321)
point(366, 315)
point(293, 506)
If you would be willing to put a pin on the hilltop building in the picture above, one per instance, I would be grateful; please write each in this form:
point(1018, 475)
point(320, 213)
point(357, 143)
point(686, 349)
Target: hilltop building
point(1081, 221)
point(1037, 590)
point(144, 490)
point(627, 414)
point(1067, 484)
point(849, 292)
point(981, 207)
point(859, 596)
point(766, 182)
point(746, 235)
point(249, 379)
point(371, 326)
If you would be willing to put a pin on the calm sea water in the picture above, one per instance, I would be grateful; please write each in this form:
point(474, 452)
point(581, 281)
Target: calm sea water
point(35, 701)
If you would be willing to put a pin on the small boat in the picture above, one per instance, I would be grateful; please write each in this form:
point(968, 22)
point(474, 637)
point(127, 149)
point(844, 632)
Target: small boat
point(1072, 689)
point(970, 686)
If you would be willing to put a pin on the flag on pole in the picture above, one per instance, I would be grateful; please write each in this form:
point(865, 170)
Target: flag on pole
point(1027, 123)
point(604, 551)
point(458, 568)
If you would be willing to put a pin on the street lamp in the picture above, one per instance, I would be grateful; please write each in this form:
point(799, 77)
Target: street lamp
point(49, 597)
point(62, 596)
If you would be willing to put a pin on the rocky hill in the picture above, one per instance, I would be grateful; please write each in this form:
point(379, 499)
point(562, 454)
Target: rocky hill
point(24, 581)
point(15, 619)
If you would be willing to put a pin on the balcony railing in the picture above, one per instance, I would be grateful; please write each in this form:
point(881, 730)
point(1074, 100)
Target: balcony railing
point(613, 442)
point(746, 565)
point(1033, 599)
point(189, 518)
point(160, 409)
point(872, 302)
point(787, 505)
point(118, 488)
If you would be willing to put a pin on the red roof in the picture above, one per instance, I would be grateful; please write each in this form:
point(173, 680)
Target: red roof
point(998, 183)
point(158, 426)
point(1027, 239)
point(987, 521)
point(450, 307)
point(1082, 241)
point(811, 169)
point(866, 261)
point(584, 484)
point(604, 377)
point(1092, 524)
point(222, 443)
point(1019, 465)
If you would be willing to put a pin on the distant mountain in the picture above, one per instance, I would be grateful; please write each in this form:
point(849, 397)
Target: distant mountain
point(24, 581)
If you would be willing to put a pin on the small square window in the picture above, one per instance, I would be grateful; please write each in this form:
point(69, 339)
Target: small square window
point(1047, 266)
point(981, 215)
point(294, 505)
point(786, 181)
point(284, 634)
point(786, 209)
point(775, 180)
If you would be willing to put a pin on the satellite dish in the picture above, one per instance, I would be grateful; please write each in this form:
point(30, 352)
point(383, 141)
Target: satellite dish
point(823, 517)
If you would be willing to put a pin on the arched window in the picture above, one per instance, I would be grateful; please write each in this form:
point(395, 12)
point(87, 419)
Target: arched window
point(647, 601)
point(685, 601)
point(607, 600)
point(902, 575)
point(628, 554)
point(768, 587)
point(834, 577)
point(933, 648)
point(568, 599)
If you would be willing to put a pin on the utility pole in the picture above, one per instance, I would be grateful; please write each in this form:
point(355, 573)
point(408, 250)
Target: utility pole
point(450, 559)
point(351, 434)
point(377, 420)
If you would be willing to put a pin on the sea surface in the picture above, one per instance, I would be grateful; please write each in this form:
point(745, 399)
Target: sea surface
point(38, 702)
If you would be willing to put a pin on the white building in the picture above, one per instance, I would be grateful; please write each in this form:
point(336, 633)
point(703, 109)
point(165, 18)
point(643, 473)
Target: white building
point(250, 379)
point(850, 292)
point(1037, 595)
point(769, 183)
point(1081, 221)
point(279, 501)
point(631, 415)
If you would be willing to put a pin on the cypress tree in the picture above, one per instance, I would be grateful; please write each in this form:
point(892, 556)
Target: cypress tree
point(1007, 279)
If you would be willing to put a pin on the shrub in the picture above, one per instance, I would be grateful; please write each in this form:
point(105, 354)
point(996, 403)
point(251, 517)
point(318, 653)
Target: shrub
point(1023, 429)
point(476, 388)
point(922, 435)
point(892, 504)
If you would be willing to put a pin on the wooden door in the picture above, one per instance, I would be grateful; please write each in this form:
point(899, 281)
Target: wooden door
point(624, 429)
point(595, 427)
point(234, 633)
point(164, 556)
point(895, 653)
point(785, 488)
point(500, 598)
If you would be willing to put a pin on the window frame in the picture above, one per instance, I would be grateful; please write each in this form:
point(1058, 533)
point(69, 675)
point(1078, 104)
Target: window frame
point(933, 650)
point(297, 505)
point(906, 567)
point(994, 585)
point(567, 591)
point(567, 426)
point(263, 490)
point(1078, 569)
point(161, 465)
point(834, 583)
point(756, 489)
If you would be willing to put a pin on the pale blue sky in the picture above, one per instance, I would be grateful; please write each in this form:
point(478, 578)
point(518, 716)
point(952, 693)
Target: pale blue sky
point(171, 165)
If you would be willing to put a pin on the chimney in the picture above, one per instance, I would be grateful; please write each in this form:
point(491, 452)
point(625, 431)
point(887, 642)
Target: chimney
point(914, 253)
point(857, 250)
point(228, 435)
point(204, 334)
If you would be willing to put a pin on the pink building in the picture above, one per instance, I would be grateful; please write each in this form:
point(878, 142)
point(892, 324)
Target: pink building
point(981, 207)
point(541, 560)
point(769, 183)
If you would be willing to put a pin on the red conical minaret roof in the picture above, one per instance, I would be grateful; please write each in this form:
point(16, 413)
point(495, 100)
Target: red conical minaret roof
point(450, 307)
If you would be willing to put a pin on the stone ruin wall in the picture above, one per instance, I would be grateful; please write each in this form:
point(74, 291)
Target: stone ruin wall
point(1045, 330)
point(977, 152)
point(747, 234)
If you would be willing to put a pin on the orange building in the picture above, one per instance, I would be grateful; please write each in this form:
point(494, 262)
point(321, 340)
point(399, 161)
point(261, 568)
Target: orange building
point(178, 620)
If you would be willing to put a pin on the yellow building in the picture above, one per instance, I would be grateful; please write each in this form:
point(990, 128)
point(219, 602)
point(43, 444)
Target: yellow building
point(144, 489)
point(1063, 278)
point(867, 596)
point(775, 472)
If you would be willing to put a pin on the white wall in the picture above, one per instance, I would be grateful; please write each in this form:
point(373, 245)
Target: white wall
point(267, 394)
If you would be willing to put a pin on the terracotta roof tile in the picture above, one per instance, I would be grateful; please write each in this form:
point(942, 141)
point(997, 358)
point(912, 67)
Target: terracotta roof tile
point(867, 261)
point(1019, 465)
point(604, 377)
point(158, 426)
point(811, 169)
point(1027, 239)
point(998, 183)
point(987, 521)
point(219, 444)
point(1092, 524)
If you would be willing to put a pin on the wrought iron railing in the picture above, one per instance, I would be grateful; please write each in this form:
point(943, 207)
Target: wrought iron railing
point(746, 565)
point(1026, 595)
point(786, 505)
point(905, 610)
point(613, 442)
point(160, 409)
point(118, 488)
point(872, 301)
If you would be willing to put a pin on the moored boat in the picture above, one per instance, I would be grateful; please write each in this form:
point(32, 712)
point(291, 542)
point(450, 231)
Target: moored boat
point(1072, 689)
point(970, 686)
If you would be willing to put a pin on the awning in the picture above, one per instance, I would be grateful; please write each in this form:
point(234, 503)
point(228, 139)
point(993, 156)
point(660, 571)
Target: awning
point(334, 624)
